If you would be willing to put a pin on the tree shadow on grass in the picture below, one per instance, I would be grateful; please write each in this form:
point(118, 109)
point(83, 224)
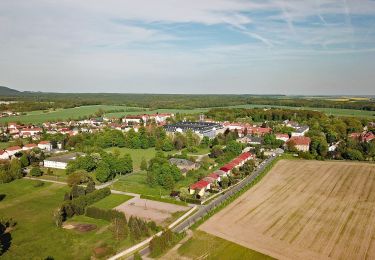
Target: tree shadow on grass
point(2, 196)
point(5, 239)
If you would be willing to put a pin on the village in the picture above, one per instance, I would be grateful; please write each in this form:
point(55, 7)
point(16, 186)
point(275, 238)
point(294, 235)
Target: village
point(255, 139)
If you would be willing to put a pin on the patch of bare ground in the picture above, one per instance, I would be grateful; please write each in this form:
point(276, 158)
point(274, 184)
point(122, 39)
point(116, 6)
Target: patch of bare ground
point(305, 210)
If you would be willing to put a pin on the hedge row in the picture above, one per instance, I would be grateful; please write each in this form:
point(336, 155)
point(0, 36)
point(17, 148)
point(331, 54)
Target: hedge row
point(105, 214)
point(177, 202)
point(191, 200)
point(78, 205)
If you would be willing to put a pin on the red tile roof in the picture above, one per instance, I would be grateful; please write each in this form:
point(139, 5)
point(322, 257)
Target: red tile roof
point(300, 140)
point(13, 148)
point(30, 145)
point(44, 142)
point(199, 185)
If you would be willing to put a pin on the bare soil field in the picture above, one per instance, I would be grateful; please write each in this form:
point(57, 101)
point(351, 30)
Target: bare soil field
point(305, 210)
point(150, 209)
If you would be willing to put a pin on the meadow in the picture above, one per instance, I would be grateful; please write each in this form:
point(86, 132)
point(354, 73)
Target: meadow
point(304, 210)
point(205, 246)
point(38, 117)
point(35, 234)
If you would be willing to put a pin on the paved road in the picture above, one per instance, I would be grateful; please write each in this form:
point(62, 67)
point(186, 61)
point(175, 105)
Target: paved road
point(205, 209)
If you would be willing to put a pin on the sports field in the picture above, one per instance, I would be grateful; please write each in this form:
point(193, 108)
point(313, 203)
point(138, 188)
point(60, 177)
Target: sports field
point(305, 210)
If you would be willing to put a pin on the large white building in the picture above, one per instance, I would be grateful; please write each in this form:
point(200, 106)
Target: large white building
point(61, 162)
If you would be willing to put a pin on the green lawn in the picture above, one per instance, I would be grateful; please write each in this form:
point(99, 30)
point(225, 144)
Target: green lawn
point(136, 183)
point(137, 154)
point(112, 201)
point(206, 246)
point(62, 114)
point(36, 237)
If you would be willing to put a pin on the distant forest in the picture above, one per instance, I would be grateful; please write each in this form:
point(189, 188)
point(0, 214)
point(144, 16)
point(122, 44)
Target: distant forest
point(29, 101)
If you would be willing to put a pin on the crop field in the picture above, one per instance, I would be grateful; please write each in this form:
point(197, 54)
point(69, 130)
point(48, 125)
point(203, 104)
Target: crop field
point(305, 210)
point(38, 117)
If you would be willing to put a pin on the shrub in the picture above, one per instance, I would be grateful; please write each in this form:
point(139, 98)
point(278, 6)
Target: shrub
point(78, 205)
point(159, 244)
point(36, 172)
point(109, 215)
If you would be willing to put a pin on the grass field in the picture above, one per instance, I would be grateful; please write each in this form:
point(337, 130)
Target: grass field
point(64, 114)
point(136, 154)
point(35, 235)
point(205, 246)
point(75, 113)
point(111, 201)
point(136, 183)
point(305, 210)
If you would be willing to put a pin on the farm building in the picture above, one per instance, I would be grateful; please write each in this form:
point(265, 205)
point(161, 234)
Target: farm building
point(199, 187)
point(13, 150)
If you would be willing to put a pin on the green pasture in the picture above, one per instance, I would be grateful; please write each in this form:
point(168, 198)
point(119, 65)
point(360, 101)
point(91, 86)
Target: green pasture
point(35, 235)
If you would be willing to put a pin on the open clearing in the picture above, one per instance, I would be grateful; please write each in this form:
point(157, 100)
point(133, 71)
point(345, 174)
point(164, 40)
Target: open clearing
point(305, 210)
point(35, 235)
point(150, 210)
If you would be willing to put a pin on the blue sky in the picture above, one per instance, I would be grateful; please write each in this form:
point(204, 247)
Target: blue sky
point(168, 46)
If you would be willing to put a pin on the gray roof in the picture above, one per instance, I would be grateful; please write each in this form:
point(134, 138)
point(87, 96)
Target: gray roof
point(181, 162)
point(65, 157)
point(201, 127)
point(301, 129)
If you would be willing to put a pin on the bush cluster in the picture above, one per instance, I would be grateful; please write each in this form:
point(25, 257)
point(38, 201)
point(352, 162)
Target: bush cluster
point(77, 206)
point(159, 244)
point(105, 214)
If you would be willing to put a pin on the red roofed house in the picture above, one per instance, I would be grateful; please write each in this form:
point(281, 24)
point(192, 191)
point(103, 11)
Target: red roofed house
point(45, 145)
point(301, 143)
point(363, 137)
point(260, 130)
point(368, 137)
point(4, 155)
point(199, 187)
point(29, 147)
point(13, 150)
point(282, 137)
point(30, 131)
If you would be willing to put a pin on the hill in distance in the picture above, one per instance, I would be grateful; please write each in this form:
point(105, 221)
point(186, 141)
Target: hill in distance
point(5, 91)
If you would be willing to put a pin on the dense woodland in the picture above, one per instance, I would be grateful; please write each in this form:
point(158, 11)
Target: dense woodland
point(41, 101)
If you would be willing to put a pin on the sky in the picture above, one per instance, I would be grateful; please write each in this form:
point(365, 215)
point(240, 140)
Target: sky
point(294, 47)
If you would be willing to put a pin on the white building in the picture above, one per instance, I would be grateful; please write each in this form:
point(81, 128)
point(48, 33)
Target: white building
point(300, 131)
point(27, 147)
point(45, 145)
point(61, 162)
point(13, 150)
point(4, 155)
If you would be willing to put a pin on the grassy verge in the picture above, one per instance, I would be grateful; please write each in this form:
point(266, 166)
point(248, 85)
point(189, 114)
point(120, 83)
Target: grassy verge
point(111, 201)
point(177, 202)
point(205, 246)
